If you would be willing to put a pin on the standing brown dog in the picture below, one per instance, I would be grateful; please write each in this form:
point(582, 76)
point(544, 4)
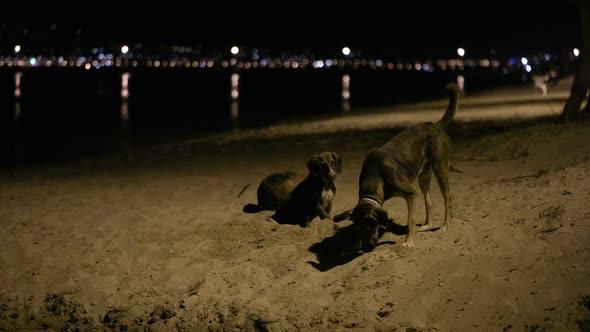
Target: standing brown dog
point(389, 171)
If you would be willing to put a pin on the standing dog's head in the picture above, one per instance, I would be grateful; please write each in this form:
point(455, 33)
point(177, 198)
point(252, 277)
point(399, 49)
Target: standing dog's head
point(368, 217)
point(325, 165)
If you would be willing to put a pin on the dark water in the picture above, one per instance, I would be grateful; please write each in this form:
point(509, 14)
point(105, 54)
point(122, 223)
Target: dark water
point(66, 114)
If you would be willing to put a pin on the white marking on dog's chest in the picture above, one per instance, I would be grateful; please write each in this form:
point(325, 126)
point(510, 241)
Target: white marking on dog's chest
point(327, 195)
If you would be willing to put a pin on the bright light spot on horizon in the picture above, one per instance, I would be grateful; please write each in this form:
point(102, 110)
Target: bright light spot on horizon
point(33, 61)
point(461, 51)
point(124, 49)
point(87, 66)
point(235, 50)
point(346, 51)
point(524, 60)
point(576, 52)
point(528, 68)
point(17, 48)
point(318, 64)
point(547, 57)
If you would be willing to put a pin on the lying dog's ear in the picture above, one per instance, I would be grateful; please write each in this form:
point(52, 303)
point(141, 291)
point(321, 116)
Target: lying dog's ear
point(313, 165)
point(337, 162)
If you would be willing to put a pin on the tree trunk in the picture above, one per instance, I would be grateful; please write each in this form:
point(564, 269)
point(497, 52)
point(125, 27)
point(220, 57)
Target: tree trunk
point(581, 85)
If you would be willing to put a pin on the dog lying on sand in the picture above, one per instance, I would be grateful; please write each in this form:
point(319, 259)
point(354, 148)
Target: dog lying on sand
point(388, 171)
point(297, 199)
point(274, 191)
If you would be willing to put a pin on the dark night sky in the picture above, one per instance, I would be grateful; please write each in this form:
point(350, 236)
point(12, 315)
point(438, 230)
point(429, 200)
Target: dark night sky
point(406, 29)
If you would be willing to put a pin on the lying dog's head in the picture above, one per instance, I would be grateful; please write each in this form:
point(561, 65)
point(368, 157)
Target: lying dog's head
point(368, 218)
point(325, 165)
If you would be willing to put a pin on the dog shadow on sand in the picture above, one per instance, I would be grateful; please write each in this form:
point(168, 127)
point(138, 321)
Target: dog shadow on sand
point(344, 246)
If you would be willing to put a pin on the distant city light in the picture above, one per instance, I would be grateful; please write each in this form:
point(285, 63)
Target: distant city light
point(524, 60)
point(17, 48)
point(461, 51)
point(124, 49)
point(346, 51)
point(87, 66)
point(528, 68)
point(235, 50)
point(318, 64)
point(576, 52)
point(547, 57)
point(235, 81)
point(33, 61)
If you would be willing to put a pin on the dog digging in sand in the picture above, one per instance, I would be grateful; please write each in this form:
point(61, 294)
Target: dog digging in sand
point(297, 199)
point(388, 171)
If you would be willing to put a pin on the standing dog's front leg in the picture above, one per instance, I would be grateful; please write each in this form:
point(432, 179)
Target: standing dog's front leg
point(411, 201)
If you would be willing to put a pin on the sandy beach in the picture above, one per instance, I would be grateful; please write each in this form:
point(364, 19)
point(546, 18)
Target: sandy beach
point(158, 241)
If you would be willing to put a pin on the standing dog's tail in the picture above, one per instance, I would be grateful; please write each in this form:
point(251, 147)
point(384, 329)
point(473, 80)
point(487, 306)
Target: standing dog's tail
point(453, 91)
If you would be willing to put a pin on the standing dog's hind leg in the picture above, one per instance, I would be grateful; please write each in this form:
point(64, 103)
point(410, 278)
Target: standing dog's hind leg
point(441, 171)
point(424, 179)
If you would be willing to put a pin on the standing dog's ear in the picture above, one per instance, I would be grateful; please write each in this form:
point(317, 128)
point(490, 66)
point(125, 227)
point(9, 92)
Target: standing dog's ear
point(382, 216)
point(337, 162)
